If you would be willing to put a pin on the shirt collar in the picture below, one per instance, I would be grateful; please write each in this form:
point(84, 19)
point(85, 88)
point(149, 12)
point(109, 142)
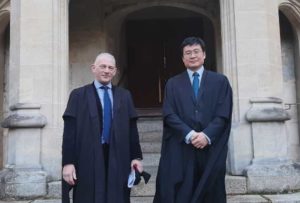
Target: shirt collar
point(98, 84)
point(199, 71)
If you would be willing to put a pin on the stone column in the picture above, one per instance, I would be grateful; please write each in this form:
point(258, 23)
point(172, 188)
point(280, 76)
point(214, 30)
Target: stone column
point(271, 170)
point(38, 90)
point(23, 175)
point(252, 61)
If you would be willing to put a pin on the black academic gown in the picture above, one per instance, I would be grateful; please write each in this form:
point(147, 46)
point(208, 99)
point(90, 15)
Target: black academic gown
point(82, 146)
point(210, 113)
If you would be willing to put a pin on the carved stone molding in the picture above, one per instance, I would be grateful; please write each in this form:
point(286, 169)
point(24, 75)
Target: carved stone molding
point(112, 6)
point(25, 115)
point(296, 3)
point(267, 110)
point(4, 5)
point(291, 8)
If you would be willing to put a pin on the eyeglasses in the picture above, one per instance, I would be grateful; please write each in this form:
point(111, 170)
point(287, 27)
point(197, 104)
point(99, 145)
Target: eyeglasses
point(103, 67)
point(190, 52)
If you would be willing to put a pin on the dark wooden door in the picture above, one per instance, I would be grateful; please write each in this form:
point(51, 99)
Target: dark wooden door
point(154, 55)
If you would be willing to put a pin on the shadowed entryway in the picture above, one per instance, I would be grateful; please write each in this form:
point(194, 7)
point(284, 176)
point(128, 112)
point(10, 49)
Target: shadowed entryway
point(153, 50)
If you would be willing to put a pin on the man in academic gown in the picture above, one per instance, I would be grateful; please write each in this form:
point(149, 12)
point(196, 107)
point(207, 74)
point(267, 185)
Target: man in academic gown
point(100, 140)
point(197, 119)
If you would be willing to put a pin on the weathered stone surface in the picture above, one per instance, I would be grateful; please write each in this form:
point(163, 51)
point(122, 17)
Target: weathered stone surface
point(47, 201)
point(24, 184)
point(240, 149)
point(151, 159)
point(284, 198)
point(246, 199)
point(143, 189)
point(25, 115)
point(140, 199)
point(24, 121)
point(267, 109)
point(235, 184)
point(155, 136)
point(151, 147)
point(54, 189)
point(273, 177)
point(150, 125)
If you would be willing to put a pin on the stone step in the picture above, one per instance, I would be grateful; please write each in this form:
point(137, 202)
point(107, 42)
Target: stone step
point(234, 185)
point(141, 199)
point(254, 198)
point(250, 198)
point(151, 159)
point(143, 189)
point(153, 172)
point(151, 147)
point(153, 136)
point(150, 124)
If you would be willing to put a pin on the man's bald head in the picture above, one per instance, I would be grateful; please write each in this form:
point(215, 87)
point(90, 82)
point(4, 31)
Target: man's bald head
point(106, 56)
point(104, 68)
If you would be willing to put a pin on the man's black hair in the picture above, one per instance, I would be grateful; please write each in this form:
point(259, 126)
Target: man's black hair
point(189, 41)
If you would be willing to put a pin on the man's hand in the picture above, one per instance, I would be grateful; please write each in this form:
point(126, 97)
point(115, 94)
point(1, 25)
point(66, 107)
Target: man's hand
point(138, 164)
point(199, 140)
point(69, 174)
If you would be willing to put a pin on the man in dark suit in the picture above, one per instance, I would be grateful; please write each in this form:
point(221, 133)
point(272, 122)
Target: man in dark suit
point(197, 119)
point(100, 140)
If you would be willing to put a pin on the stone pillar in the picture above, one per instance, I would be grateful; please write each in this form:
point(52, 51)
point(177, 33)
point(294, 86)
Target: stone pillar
point(23, 176)
point(252, 62)
point(38, 90)
point(271, 170)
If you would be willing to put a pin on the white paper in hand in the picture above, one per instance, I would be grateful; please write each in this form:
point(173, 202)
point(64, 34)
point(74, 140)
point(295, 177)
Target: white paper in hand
point(131, 179)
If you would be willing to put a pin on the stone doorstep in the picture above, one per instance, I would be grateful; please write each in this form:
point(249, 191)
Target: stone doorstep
point(286, 198)
point(151, 159)
point(143, 189)
point(154, 136)
point(273, 177)
point(140, 199)
point(234, 185)
point(150, 125)
point(282, 198)
point(151, 147)
point(246, 199)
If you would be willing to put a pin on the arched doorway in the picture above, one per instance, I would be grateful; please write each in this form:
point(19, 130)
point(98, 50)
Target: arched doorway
point(145, 40)
point(4, 64)
point(291, 80)
point(152, 40)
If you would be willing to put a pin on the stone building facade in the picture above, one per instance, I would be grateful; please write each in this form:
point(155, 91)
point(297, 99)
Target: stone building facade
point(46, 48)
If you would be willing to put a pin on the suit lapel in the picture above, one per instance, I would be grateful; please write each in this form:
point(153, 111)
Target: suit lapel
point(202, 85)
point(117, 100)
point(186, 87)
point(93, 110)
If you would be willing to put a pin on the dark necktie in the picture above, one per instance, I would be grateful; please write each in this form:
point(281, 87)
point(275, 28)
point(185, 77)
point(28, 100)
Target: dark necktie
point(107, 118)
point(196, 83)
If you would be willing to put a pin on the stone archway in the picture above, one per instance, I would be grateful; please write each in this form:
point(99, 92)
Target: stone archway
point(4, 63)
point(157, 16)
point(99, 26)
point(290, 47)
point(114, 25)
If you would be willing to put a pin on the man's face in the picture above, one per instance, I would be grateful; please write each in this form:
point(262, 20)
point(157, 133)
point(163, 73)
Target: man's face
point(193, 57)
point(104, 69)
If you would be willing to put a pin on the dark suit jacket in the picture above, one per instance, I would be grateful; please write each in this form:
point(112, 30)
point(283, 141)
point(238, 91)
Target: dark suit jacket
point(210, 113)
point(82, 146)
